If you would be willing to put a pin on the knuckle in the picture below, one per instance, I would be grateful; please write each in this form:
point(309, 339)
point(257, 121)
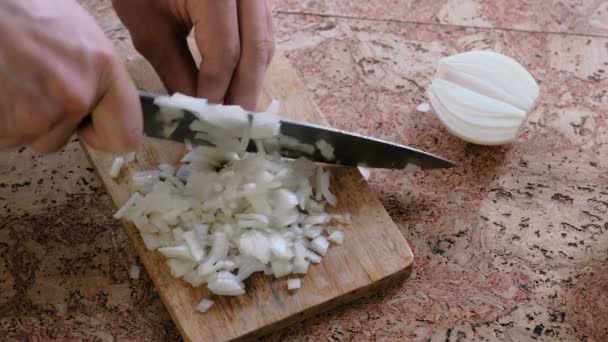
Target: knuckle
point(45, 147)
point(263, 51)
point(144, 43)
point(74, 103)
point(225, 58)
point(127, 142)
point(104, 57)
point(31, 126)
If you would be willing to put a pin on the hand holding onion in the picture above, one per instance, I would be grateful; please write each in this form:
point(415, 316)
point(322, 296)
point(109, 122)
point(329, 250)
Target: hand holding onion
point(234, 39)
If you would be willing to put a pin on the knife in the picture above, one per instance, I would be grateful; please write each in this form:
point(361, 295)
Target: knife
point(350, 149)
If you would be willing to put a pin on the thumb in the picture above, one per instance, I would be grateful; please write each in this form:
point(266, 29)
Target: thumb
point(116, 122)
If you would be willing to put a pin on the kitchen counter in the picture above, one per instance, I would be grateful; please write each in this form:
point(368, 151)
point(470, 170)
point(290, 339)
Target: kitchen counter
point(511, 245)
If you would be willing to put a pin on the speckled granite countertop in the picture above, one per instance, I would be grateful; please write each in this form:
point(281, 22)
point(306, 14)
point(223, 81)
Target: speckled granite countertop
point(511, 246)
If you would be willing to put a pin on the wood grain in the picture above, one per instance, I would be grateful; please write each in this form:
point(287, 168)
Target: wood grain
point(374, 255)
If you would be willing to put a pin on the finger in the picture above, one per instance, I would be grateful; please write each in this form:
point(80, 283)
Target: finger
point(216, 32)
point(172, 61)
point(117, 119)
point(163, 45)
point(257, 48)
point(55, 139)
point(8, 143)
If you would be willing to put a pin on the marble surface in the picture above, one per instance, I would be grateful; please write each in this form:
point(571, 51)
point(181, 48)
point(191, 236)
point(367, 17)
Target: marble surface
point(584, 17)
point(510, 246)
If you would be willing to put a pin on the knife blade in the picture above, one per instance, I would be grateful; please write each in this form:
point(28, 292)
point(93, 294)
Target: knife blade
point(350, 149)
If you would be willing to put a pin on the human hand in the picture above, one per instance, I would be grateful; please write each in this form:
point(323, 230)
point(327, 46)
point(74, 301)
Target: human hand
point(234, 38)
point(56, 67)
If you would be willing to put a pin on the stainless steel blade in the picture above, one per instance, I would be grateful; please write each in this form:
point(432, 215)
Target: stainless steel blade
point(349, 148)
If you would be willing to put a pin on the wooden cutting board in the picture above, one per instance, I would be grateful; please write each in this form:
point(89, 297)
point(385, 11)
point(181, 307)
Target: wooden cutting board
point(374, 255)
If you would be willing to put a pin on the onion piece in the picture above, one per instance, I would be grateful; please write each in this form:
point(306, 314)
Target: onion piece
point(281, 268)
point(194, 245)
point(225, 284)
point(280, 248)
point(329, 197)
point(256, 244)
point(116, 166)
point(178, 252)
point(128, 205)
point(327, 151)
point(205, 305)
point(336, 237)
point(134, 272)
point(312, 231)
point(248, 267)
point(313, 257)
point(293, 284)
point(179, 267)
point(423, 107)
point(319, 245)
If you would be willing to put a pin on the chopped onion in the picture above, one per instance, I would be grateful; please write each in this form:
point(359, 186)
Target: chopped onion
point(296, 145)
point(423, 107)
point(327, 151)
point(117, 166)
point(313, 257)
point(293, 284)
point(336, 237)
point(312, 231)
point(178, 252)
point(342, 218)
point(319, 245)
point(281, 268)
point(365, 172)
point(279, 247)
point(205, 305)
point(255, 244)
point(179, 268)
point(222, 214)
point(329, 197)
point(134, 272)
point(129, 205)
point(225, 284)
point(300, 264)
point(194, 246)
point(249, 266)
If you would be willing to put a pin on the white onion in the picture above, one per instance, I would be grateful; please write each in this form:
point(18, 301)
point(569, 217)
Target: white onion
point(293, 284)
point(327, 151)
point(313, 257)
point(178, 252)
point(483, 97)
point(223, 214)
point(179, 268)
point(337, 237)
point(312, 231)
point(134, 272)
point(225, 284)
point(365, 172)
point(319, 245)
point(205, 305)
point(423, 107)
point(116, 166)
point(281, 268)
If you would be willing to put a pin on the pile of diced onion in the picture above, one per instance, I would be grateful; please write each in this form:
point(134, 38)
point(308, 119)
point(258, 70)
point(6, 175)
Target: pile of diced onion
point(223, 213)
